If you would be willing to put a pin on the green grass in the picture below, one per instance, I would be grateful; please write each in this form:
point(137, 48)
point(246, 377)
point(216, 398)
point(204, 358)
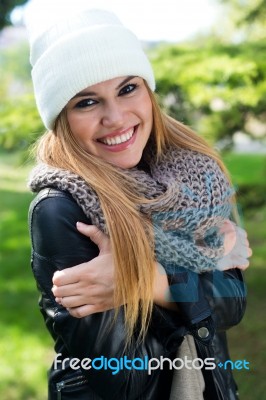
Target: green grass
point(247, 340)
point(246, 168)
point(25, 347)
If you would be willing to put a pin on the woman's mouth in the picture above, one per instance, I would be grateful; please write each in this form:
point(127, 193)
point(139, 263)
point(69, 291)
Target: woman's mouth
point(120, 141)
point(110, 141)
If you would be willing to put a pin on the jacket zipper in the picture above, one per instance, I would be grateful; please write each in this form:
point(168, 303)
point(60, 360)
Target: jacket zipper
point(71, 382)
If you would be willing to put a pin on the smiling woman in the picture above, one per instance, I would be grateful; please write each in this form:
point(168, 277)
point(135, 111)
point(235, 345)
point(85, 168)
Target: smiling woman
point(131, 225)
point(112, 120)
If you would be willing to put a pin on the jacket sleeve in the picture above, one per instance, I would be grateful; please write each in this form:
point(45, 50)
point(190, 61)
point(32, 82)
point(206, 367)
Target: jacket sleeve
point(56, 244)
point(220, 294)
point(226, 294)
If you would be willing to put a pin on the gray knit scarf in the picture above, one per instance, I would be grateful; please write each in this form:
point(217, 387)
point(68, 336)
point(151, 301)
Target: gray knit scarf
point(193, 200)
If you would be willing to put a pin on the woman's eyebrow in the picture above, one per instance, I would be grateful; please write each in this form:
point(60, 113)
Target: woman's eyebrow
point(125, 81)
point(86, 93)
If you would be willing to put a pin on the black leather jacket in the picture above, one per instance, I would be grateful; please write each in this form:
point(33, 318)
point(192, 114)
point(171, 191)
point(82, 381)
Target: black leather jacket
point(56, 244)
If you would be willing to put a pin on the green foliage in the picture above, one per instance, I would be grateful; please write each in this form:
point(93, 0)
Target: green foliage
point(257, 12)
point(215, 88)
point(6, 7)
point(246, 17)
point(20, 121)
point(248, 173)
point(249, 10)
point(14, 62)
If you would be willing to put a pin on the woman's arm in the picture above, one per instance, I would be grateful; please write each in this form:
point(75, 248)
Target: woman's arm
point(89, 287)
point(223, 288)
point(57, 245)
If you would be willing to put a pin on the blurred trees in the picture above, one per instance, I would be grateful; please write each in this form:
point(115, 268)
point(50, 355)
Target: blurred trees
point(248, 10)
point(247, 18)
point(217, 84)
point(6, 7)
point(218, 89)
point(20, 123)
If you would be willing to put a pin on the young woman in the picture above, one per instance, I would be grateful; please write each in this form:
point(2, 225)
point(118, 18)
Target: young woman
point(139, 206)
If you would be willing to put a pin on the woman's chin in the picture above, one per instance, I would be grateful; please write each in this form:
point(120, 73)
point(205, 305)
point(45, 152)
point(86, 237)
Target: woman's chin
point(125, 162)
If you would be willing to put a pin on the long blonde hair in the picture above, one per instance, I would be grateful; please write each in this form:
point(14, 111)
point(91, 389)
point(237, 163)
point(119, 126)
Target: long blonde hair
point(130, 233)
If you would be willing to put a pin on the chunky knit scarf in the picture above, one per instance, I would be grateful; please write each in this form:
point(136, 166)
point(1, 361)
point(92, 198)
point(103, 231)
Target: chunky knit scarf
point(193, 199)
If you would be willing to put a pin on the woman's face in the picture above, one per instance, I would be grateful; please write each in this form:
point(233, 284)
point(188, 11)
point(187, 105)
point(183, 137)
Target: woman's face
point(113, 120)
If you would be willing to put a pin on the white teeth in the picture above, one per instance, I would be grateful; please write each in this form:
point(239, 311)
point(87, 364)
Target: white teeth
point(118, 139)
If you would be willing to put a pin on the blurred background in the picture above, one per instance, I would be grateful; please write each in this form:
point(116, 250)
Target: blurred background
point(209, 58)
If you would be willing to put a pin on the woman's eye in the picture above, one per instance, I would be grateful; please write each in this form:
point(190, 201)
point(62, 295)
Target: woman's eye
point(85, 103)
point(127, 89)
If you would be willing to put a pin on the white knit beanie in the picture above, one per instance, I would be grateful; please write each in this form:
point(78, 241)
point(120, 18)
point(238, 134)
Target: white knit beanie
point(77, 52)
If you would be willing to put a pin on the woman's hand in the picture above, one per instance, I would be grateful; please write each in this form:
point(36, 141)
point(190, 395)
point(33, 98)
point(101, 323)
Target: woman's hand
point(236, 247)
point(87, 288)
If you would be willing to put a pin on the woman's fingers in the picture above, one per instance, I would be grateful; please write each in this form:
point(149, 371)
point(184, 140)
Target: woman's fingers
point(227, 226)
point(70, 275)
point(96, 235)
point(235, 259)
point(72, 302)
point(90, 283)
point(228, 263)
point(250, 252)
point(88, 309)
point(69, 301)
point(235, 239)
point(236, 247)
point(96, 302)
point(83, 274)
point(66, 290)
point(243, 267)
point(228, 229)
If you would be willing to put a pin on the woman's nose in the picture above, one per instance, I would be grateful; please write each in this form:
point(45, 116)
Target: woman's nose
point(113, 115)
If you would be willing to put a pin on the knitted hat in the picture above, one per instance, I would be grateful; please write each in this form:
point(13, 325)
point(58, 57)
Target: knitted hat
point(77, 52)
